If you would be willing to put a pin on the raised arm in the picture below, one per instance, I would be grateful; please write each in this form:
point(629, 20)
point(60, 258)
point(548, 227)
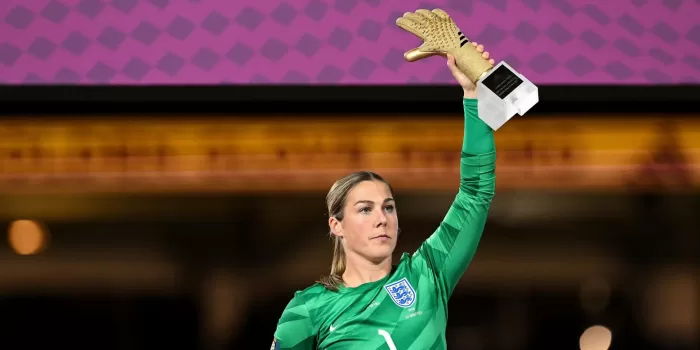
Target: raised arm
point(450, 249)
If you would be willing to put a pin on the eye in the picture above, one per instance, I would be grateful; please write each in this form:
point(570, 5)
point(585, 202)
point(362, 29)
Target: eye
point(365, 210)
point(389, 208)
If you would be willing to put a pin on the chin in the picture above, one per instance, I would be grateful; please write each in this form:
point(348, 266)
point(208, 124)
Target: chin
point(380, 254)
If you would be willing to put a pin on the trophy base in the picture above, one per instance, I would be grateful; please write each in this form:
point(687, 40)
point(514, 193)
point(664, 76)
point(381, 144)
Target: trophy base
point(503, 93)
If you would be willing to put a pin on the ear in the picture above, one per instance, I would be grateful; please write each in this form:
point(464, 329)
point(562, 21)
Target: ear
point(336, 226)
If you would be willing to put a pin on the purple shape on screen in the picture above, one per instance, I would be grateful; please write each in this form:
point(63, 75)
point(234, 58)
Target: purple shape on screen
point(413, 80)
point(90, 8)
point(284, 14)
point(101, 73)
point(627, 47)
point(491, 35)
point(464, 7)
point(595, 13)
point(512, 61)
point(370, 30)
point(9, 54)
point(665, 32)
point(580, 65)
point(692, 61)
point(161, 4)
point(657, 76)
point(662, 56)
point(295, 77)
point(526, 32)
point(136, 69)
point(66, 75)
point(694, 34)
point(672, 5)
point(19, 17)
point(76, 43)
point(593, 40)
point(532, 4)
point(639, 3)
point(391, 20)
point(345, 6)
point(240, 54)
point(215, 23)
point(259, 79)
point(146, 33)
point(180, 28)
point(340, 39)
point(501, 5)
point(559, 34)
point(631, 25)
point(316, 9)
point(170, 64)
point(564, 6)
point(441, 76)
point(111, 38)
point(205, 58)
point(42, 48)
point(330, 74)
point(618, 70)
point(362, 68)
point(249, 18)
point(125, 6)
point(55, 12)
point(393, 59)
point(543, 63)
point(308, 45)
point(274, 49)
point(32, 78)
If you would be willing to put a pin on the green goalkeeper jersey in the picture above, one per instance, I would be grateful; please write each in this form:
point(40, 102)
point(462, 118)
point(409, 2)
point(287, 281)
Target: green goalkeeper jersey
point(406, 310)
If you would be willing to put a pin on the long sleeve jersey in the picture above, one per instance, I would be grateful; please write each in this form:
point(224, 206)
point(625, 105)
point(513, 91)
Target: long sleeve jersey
point(407, 309)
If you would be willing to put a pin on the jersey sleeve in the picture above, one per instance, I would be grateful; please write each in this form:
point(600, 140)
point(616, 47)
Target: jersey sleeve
point(450, 249)
point(295, 329)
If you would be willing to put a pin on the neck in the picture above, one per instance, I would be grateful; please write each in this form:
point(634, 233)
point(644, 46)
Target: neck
point(359, 270)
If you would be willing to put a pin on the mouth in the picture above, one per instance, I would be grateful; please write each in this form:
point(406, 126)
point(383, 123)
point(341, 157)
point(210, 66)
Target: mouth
point(382, 237)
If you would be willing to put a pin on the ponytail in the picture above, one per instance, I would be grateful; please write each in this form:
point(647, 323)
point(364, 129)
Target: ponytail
point(335, 279)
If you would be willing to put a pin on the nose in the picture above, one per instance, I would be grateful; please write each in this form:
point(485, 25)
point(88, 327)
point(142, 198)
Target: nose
point(382, 219)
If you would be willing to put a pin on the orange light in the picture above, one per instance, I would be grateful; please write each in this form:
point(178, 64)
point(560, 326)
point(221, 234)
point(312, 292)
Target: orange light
point(596, 338)
point(27, 237)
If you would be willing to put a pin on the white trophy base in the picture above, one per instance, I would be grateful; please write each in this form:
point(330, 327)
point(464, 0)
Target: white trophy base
point(504, 96)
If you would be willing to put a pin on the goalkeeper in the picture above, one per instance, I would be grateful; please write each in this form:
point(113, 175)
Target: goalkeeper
point(369, 303)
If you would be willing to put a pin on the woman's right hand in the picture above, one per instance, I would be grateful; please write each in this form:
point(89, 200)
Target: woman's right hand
point(467, 85)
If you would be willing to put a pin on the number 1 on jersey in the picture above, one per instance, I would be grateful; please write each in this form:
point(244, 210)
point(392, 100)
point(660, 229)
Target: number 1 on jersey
point(387, 338)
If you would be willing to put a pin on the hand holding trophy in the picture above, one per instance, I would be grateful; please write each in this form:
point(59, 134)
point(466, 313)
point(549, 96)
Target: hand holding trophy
point(502, 91)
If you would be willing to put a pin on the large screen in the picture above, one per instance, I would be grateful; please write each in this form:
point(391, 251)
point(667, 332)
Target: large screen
point(340, 42)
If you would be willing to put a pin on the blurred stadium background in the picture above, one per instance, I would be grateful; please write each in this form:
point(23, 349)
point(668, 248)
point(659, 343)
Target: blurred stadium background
point(143, 217)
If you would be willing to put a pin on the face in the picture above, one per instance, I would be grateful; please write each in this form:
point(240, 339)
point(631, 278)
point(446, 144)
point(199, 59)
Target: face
point(370, 224)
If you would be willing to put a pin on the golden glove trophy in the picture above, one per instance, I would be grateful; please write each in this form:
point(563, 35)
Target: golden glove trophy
point(502, 91)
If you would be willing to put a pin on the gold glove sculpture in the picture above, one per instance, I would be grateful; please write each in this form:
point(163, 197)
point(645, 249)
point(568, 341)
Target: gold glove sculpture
point(441, 36)
point(502, 91)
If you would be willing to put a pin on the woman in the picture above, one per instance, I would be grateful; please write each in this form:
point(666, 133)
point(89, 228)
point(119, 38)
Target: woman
point(368, 303)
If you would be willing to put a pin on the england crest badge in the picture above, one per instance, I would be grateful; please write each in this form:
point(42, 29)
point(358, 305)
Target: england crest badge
point(401, 292)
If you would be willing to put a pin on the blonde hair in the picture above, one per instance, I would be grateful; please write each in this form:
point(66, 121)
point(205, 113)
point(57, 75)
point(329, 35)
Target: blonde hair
point(335, 202)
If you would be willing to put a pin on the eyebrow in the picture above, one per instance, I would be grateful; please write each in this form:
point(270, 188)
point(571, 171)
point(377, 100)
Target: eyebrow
point(372, 202)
